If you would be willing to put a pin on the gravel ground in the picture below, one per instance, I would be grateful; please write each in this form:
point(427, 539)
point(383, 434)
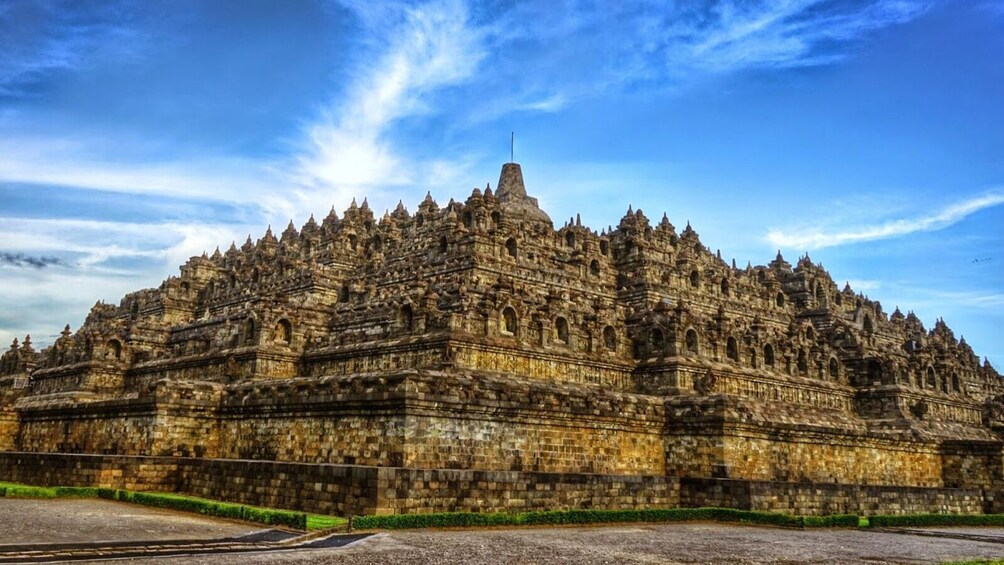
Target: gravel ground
point(67, 520)
point(677, 543)
point(27, 521)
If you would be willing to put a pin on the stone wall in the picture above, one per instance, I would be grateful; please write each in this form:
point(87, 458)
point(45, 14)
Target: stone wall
point(170, 418)
point(417, 419)
point(796, 455)
point(336, 420)
point(811, 499)
point(975, 465)
point(431, 420)
point(367, 357)
point(727, 437)
point(343, 489)
point(118, 426)
point(560, 364)
point(447, 490)
point(674, 378)
point(104, 376)
point(485, 422)
point(340, 490)
point(8, 429)
point(348, 489)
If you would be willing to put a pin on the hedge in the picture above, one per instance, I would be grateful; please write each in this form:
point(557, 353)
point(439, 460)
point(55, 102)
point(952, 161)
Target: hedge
point(833, 521)
point(288, 518)
point(14, 490)
point(558, 517)
point(908, 520)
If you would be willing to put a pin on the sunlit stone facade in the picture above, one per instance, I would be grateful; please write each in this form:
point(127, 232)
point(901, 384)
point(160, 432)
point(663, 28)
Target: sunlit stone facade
point(472, 357)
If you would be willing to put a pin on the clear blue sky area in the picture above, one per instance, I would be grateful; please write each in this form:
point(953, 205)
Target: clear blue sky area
point(867, 133)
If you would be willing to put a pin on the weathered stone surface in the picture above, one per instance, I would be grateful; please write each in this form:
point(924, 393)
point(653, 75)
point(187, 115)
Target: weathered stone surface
point(472, 357)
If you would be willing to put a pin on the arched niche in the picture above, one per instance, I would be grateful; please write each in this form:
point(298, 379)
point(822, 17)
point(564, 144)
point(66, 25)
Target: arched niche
point(510, 323)
point(284, 331)
point(732, 349)
point(561, 330)
point(610, 338)
point(691, 342)
point(768, 355)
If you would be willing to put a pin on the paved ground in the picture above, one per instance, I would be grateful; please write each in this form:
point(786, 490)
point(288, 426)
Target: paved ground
point(86, 520)
point(25, 521)
point(664, 544)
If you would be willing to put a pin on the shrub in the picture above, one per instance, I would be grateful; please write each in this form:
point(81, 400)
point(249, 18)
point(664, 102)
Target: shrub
point(559, 517)
point(75, 492)
point(912, 520)
point(26, 491)
point(833, 521)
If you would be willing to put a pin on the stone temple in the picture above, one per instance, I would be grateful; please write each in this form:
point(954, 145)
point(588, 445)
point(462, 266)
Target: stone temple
point(473, 357)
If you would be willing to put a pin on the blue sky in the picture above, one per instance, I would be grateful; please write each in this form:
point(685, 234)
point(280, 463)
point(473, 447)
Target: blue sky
point(867, 133)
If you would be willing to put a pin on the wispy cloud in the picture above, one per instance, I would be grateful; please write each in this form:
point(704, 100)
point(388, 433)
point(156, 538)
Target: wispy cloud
point(414, 62)
point(97, 246)
point(33, 261)
point(864, 284)
point(40, 37)
point(974, 300)
point(551, 103)
point(994, 6)
point(817, 239)
point(56, 269)
point(69, 162)
point(39, 302)
point(429, 48)
point(418, 60)
point(727, 36)
point(543, 47)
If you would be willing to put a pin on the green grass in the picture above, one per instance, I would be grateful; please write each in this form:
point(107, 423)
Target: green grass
point(270, 516)
point(560, 517)
point(322, 522)
point(15, 490)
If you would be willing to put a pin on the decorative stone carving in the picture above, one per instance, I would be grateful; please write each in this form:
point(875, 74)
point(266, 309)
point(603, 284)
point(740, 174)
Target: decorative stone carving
point(705, 384)
point(478, 337)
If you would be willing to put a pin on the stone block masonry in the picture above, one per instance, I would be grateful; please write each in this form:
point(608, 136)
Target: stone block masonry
point(475, 357)
point(822, 499)
point(343, 490)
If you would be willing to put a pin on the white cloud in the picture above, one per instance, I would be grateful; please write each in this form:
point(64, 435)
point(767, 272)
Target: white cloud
point(95, 243)
point(39, 300)
point(431, 47)
point(69, 162)
point(815, 238)
point(589, 48)
point(974, 300)
point(781, 33)
point(551, 103)
point(415, 53)
point(346, 152)
point(38, 38)
point(861, 285)
point(541, 58)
